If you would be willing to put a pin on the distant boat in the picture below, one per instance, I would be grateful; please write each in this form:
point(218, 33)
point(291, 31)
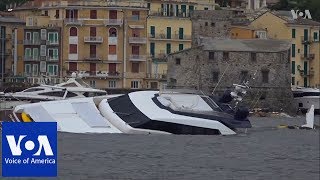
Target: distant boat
point(73, 88)
point(304, 98)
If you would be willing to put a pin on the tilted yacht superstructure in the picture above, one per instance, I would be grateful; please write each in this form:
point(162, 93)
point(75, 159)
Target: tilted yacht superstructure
point(73, 88)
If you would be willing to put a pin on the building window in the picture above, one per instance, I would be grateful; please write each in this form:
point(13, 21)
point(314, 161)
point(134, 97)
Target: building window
point(293, 67)
point(265, 76)
point(73, 49)
point(93, 14)
point(178, 61)
point(168, 49)
point(112, 84)
point(152, 31)
point(134, 84)
point(43, 50)
point(293, 50)
point(35, 54)
point(93, 83)
point(152, 49)
point(112, 32)
point(206, 8)
point(73, 66)
point(135, 67)
point(93, 31)
point(135, 33)
point(215, 76)
point(57, 14)
point(293, 81)
point(168, 32)
point(73, 31)
point(35, 37)
point(28, 36)
point(27, 53)
point(315, 36)
point(253, 57)
point(43, 34)
point(93, 51)
point(135, 15)
point(53, 69)
point(244, 76)
point(30, 21)
point(112, 68)
point(113, 49)
point(206, 23)
point(180, 47)
point(213, 24)
point(211, 55)
point(293, 33)
point(53, 37)
point(181, 36)
point(27, 69)
point(225, 56)
point(53, 54)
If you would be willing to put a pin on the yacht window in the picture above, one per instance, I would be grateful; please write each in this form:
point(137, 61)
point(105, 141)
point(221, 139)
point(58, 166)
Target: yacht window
point(54, 93)
point(71, 94)
point(311, 94)
point(33, 90)
point(92, 94)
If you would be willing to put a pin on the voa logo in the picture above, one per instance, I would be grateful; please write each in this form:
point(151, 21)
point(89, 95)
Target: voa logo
point(29, 145)
point(29, 149)
point(303, 14)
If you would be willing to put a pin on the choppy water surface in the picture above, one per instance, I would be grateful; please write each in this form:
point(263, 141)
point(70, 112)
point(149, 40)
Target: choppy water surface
point(265, 152)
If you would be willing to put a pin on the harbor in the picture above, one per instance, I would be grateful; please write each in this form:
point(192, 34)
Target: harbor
point(264, 151)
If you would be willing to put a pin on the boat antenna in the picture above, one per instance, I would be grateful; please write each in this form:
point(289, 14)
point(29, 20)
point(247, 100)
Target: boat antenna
point(220, 78)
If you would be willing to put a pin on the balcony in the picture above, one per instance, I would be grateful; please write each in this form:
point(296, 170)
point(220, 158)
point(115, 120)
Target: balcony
point(138, 58)
point(93, 58)
point(93, 39)
point(31, 42)
point(113, 22)
point(31, 58)
point(174, 14)
point(156, 76)
point(174, 37)
point(53, 43)
point(307, 56)
point(70, 21)
point(306, 39)
point(138, 40)
point(51, 58)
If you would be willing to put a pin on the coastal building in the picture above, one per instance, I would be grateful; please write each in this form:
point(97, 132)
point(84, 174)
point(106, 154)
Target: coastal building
point(42, 49)
point(305, 44)
point(11, 47)
point(169, 30)
point(217, 64)
point(105, 42)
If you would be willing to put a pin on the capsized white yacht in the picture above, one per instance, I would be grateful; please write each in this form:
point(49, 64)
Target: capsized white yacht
point(141, 112)
point(304, 98)
point(73, 88)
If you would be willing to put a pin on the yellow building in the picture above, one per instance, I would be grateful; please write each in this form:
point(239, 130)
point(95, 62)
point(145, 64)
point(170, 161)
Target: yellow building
point(169, 30)
point(246, 32)
point(305, 48)
point(11, 48)
point(104, 42)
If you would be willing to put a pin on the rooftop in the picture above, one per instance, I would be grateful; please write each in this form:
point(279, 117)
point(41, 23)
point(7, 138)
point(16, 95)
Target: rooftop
point(10, 19)
point(247, 45)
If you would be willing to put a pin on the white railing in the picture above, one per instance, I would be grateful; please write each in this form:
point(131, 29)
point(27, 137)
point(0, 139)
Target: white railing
point(134, 57)
point(93, 39)
point(138, 40)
